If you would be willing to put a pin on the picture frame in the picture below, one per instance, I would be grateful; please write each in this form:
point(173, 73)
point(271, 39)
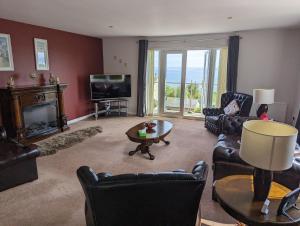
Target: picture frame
point(6, 56)
point(41, 54)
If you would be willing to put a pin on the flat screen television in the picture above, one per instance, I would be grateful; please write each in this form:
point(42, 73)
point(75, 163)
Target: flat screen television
point(106, 86)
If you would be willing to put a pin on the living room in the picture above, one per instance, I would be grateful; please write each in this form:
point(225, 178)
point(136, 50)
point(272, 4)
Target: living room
point(208, 97)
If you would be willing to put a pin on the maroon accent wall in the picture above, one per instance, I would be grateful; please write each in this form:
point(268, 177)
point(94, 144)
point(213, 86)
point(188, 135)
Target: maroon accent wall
point(72, 58)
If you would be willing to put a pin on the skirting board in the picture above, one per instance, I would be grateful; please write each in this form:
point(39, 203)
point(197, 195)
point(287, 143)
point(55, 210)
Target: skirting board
point(80, 118)
point(89, 115)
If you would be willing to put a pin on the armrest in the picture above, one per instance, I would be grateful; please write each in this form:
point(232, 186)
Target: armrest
point(178, 171)
point(200, 170)
point(3, 135)
point(212, 111)
point(103, 175)
point(87, 176)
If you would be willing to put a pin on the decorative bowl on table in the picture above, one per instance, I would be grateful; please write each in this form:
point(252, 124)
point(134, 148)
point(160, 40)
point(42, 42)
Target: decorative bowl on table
point(150, 126)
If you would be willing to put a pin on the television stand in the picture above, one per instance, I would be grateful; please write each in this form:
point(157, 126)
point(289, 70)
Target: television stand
point(110, 107)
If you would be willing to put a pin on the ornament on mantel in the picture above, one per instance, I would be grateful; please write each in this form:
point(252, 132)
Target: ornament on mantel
point(57, 80)
point(52, 79)
point(33, 76)
point(11, 81)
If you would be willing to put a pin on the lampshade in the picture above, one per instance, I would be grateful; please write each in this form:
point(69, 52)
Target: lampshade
point(268, 145)
point(263, 96)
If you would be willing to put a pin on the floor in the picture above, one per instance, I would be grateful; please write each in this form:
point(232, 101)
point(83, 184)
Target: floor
point(56, 198)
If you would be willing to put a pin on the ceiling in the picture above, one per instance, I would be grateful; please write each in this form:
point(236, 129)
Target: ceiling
point(153, 17)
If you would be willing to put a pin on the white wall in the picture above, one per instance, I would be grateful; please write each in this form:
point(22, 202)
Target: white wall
point(270, 59)
point(296, 104)
point(267, 59)
point(120, 55)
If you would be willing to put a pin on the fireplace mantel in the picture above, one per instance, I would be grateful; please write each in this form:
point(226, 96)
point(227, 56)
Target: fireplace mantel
point(15, 102)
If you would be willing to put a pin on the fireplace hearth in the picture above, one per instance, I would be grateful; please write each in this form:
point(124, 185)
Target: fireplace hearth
point(31, 113)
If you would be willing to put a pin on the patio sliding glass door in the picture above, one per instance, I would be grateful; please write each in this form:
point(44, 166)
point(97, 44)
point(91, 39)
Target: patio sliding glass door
point(183, 82)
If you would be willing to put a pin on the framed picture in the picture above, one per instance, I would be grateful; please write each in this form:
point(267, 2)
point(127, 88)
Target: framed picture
point(41, 54)
point(6, 57)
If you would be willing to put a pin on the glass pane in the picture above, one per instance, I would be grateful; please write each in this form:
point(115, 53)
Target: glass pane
point(173, 82)
point(196, 82)
point(219, 76)
point(156, 82)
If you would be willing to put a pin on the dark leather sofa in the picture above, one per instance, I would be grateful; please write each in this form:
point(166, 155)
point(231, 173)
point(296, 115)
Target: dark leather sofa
point(214, 117)
point(17, 163)
point(226, 160)
point(147, 199)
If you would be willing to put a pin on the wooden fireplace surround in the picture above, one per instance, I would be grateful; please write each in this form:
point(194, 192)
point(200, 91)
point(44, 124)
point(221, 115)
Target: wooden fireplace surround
point(14, 99)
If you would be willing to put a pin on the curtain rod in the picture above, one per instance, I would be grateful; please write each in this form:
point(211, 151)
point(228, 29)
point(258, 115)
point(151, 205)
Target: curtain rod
point(192, 40)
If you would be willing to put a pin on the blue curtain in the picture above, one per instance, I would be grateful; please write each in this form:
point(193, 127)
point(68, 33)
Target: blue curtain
point(232, 62)
point(142, 67)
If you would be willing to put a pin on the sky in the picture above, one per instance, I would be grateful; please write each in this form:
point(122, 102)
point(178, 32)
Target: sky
point(195, 59)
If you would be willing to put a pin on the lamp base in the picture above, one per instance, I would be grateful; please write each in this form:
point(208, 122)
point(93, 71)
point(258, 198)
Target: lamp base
point(262, 180)
point(263, 108)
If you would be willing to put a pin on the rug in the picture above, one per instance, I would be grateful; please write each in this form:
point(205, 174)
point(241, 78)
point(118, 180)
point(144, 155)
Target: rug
point(51, 146)
point(40, 202)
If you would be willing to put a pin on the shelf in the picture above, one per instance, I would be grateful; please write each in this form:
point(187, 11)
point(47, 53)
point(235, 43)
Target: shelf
point(111, 107)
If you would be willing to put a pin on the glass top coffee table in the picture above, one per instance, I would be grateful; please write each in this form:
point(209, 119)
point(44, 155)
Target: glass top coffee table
point(159, 132)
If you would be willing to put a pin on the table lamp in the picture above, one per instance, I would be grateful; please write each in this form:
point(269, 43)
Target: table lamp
point(263, 97)
point(268, 146)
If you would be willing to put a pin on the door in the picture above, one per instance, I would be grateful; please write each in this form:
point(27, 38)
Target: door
point(196, 82)
point(172, 81)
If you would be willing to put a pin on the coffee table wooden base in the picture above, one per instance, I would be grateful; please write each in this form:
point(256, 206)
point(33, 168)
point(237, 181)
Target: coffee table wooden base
point(161, 130)
point(145, 148)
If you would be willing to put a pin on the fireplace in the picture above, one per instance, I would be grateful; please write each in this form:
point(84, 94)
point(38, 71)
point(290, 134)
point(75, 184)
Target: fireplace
point(40, 119)
point(31, 113)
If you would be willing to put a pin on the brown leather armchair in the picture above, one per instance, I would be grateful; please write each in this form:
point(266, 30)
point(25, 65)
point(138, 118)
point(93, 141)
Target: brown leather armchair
point(214, 117)
point(148, 199)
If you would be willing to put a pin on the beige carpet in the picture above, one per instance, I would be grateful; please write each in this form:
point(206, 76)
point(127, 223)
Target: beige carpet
point(56, 198)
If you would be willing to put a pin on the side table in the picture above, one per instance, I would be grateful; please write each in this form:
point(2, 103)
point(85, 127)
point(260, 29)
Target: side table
point(235, 195)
